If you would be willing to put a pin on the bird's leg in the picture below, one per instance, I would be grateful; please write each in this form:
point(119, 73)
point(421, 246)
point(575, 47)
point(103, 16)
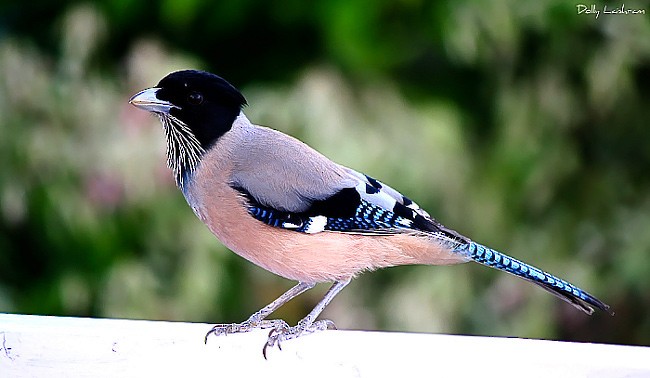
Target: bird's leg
point(257, 319)
point(308, 324)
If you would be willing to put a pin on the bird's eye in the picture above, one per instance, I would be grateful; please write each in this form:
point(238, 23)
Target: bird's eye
point(195, 98)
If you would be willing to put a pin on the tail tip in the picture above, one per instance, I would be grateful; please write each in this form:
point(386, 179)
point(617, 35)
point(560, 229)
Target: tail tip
point(601, 306)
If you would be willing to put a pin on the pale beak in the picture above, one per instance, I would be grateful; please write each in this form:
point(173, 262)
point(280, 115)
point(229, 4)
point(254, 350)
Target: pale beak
point(148, 101)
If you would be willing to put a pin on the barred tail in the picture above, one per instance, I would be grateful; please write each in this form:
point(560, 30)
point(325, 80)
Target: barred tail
point(557, 286)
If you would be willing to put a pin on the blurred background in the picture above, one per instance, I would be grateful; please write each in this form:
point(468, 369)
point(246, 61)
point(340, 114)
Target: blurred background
point(521, 124)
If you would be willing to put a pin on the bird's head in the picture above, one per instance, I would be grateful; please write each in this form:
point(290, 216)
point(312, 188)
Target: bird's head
point(195, 108)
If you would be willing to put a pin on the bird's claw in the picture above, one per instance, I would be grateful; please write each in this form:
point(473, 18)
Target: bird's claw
point(283, 332)
point(246, 326)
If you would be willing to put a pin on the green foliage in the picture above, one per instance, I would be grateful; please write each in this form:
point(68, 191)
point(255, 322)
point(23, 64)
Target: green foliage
point(519, 123)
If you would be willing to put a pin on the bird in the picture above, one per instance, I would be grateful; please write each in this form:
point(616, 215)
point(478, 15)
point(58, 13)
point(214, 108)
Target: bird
point(285, 207)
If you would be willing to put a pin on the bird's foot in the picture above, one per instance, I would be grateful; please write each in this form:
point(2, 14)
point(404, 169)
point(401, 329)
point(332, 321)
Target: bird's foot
point(246, 326)
point(283, 332)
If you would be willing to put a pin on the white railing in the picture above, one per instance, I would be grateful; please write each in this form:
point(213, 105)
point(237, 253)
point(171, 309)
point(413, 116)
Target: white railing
point(43, 346)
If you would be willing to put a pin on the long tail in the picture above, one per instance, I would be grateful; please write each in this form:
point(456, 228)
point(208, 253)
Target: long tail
point(557, 286)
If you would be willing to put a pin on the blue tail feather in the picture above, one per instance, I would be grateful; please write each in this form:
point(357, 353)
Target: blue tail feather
point(557, 286)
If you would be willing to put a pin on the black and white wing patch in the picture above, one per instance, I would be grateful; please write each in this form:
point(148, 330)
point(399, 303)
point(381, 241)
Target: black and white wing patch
point(370, 207)
point(383, 195)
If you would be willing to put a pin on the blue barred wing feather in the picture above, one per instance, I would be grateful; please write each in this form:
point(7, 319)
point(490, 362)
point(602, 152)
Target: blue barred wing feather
point(368, 218)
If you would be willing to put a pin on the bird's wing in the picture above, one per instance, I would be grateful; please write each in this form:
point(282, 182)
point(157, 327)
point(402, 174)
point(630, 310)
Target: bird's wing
point(289, 185)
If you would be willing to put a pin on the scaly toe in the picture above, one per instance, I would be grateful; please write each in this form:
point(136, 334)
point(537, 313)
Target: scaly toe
point(224, 329)
point(247, 326)
point(283, 332)
point(277, 335)
point(320, 325)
